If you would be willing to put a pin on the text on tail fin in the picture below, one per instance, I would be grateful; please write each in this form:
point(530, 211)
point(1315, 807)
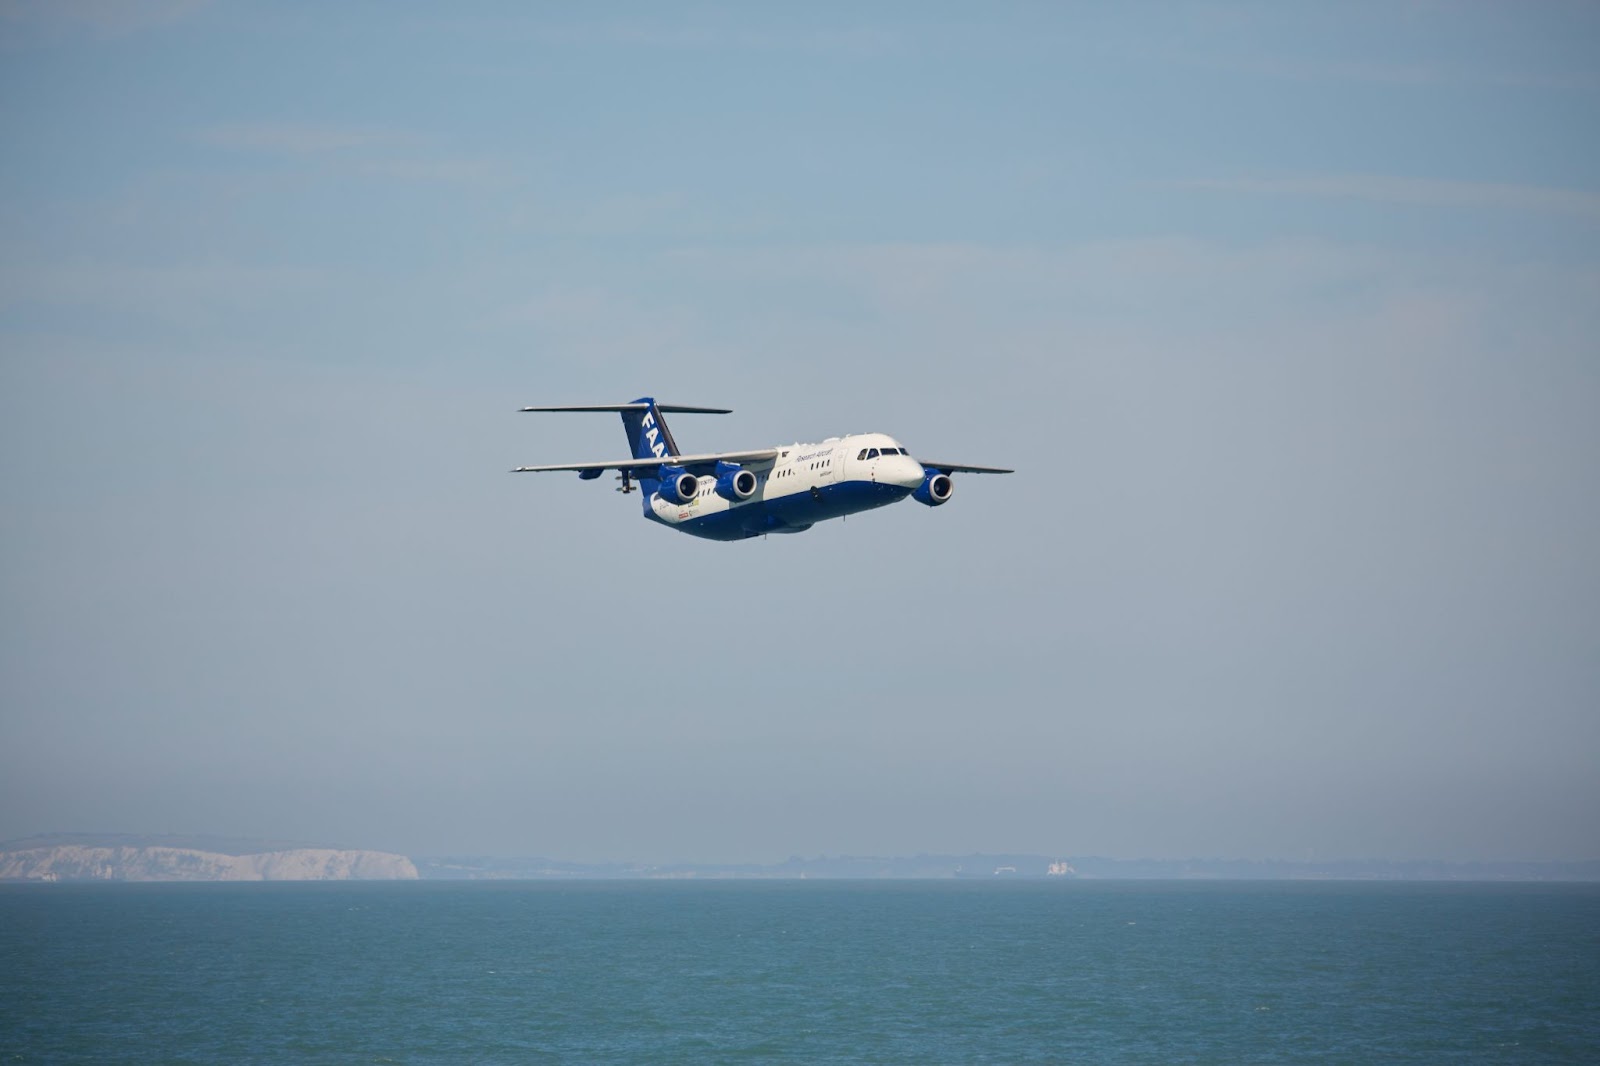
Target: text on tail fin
point(648, 435)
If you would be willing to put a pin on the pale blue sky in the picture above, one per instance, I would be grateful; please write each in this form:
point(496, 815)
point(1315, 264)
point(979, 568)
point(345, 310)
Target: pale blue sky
point(1289, 316)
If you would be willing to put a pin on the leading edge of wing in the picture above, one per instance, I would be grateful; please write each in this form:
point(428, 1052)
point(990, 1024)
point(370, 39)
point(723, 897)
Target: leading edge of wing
point(962, 468)
point(685, 461)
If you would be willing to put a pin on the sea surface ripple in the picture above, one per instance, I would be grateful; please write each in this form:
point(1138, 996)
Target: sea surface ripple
point(805, 972)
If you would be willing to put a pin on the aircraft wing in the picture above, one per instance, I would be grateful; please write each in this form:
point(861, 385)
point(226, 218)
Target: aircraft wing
point(953, 468)
point(699, 465)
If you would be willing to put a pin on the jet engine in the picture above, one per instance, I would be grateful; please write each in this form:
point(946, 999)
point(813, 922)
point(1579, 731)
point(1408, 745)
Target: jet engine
point(678, 485)
point(735, 483)
point(936, 488)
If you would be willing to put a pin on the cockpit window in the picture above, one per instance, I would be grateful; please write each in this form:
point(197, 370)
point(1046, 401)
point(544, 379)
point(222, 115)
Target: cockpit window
point(862, 454)
point(872, 453)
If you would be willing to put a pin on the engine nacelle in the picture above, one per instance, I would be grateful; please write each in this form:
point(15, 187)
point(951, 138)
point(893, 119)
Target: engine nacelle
point(734, 483)
point(936, 488)
point(678, 485)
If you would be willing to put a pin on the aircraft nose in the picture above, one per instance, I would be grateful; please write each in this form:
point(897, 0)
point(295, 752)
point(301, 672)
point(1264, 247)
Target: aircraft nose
point(901, 470)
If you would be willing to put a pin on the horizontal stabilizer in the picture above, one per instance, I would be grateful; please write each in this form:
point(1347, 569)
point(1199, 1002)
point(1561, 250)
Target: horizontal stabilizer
point(664, 408)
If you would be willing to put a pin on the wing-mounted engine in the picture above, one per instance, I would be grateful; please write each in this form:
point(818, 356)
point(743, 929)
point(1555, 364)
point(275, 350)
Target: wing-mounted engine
point(936, 488)
point(734, 483)
point(678, 485)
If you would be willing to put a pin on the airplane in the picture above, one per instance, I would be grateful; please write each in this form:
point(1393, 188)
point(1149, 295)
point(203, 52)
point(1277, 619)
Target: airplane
point(785, 489)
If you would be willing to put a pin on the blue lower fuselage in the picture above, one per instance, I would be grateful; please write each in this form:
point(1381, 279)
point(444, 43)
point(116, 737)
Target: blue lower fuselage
point(789, 513)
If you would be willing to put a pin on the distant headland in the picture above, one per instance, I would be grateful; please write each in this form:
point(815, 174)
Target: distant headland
point(101, 857)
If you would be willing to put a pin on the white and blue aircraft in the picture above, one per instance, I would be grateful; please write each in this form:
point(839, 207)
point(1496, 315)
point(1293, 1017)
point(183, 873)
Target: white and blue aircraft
point(787, 489)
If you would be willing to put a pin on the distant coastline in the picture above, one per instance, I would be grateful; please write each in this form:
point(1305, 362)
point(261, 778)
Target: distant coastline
point(127, 857)
point(101, 857)
point(994, 867)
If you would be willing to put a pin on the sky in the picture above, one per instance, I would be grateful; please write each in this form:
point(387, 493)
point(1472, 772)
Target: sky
point(1288, 317)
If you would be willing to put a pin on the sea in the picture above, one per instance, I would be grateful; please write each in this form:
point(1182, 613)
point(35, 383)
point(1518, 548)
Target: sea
point(923, 972)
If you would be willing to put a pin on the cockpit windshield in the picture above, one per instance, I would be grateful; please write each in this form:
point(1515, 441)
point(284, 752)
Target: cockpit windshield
point(873, 453)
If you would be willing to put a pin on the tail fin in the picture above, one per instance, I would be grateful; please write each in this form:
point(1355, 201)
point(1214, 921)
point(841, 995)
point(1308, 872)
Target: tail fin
point(648, 434)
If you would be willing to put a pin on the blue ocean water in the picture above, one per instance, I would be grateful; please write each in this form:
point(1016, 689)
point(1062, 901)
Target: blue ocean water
point(806, 972)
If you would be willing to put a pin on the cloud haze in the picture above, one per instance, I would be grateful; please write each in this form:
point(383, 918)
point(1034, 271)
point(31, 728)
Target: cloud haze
point(1299, 374)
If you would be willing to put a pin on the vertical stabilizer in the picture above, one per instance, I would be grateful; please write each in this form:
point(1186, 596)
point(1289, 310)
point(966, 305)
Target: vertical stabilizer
point(648, 438)
point(648, 435)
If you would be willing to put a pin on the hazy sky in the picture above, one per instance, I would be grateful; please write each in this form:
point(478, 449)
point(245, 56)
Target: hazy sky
point(1288, 316)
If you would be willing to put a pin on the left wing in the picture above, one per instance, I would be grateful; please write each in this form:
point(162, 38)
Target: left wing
point(953, 468)
point(699, 465)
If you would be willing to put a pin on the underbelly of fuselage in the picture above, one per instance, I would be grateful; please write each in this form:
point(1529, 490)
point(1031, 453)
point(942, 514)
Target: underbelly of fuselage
point(790, 513)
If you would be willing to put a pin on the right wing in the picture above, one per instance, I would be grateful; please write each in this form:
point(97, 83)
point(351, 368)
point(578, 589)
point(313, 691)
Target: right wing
point(952, 468)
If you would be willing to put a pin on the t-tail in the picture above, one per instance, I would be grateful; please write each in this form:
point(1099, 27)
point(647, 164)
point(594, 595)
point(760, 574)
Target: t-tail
point(648, 438)
point(648, 434)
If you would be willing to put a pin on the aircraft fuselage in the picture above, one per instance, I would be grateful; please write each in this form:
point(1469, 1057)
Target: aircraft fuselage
point(803, 485)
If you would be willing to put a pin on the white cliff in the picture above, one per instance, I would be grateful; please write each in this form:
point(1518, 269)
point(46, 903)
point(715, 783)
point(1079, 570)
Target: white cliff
point(71, 862)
